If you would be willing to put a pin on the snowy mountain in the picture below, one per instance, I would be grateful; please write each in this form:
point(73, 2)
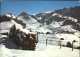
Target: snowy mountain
point(72, 12)
point(52, 26)
point(45, 22)
point(29, 20)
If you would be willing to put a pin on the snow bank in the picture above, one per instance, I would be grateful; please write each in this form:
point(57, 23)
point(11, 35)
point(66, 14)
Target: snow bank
point(17, 25)
point(69, 38)
point(6, 25)
point(4, 52)
point(41, 51)
point(54, 39)
point(44, 51)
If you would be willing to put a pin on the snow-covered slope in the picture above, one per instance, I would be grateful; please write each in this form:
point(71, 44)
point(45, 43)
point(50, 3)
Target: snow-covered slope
point(29, 20)
point(5, 26)
point(41, 50)
point(10, 15)
point(32, 23)
point(47, 22)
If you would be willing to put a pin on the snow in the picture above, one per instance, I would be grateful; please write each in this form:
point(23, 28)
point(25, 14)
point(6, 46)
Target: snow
point(17, 25)
point(43, 29)
point(4, 52)
point(33, 14)
point(69, 38)
point(57, 14)
point(8, 24)
point(39, 18)
point(44, 13)
point(54, 14)
point(11, 16)
point(47, 51)
point(14, 17)
point(9, 49)
point(48, 12)
point(32, 20)
point(70, 18)
point(5, 26)
point(30, 23)
point(77, 33)
point(8, 15)
point(56, 24)
point(54, 39)
point(21, 18)
point(41, 51)
point(69, 28)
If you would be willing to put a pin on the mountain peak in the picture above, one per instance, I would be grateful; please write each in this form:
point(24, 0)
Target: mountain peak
point(23, 14)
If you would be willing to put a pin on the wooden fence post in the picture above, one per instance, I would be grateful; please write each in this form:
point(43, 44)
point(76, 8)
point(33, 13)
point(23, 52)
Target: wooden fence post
point(60, 44)
point(73, 43)
point(46, 42)
point(72, 46)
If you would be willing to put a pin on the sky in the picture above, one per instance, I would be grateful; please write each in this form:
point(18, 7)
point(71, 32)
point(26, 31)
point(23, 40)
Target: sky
point(33, 7)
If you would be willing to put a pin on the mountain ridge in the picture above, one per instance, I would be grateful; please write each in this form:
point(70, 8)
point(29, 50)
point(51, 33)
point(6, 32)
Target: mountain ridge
point(48, 18)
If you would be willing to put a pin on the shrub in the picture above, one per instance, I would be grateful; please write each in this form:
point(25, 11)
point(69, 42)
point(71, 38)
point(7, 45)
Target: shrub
point(62, 39)
point(78, 47)
point(47, 32)
point(69, 44)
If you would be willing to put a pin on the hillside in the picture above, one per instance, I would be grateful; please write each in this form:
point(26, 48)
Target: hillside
point(72, 12)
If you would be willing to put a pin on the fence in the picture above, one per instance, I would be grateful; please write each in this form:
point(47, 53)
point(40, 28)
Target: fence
point(51, 40)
